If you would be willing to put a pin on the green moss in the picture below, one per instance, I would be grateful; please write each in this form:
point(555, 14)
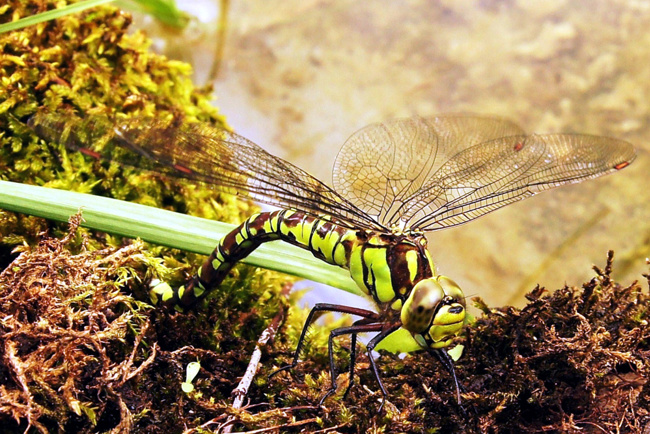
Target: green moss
point(87, 62)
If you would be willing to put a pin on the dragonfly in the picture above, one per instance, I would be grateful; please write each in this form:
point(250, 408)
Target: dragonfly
point(392, 182)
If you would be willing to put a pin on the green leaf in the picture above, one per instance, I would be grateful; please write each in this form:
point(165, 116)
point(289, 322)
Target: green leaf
point(164, 11)
point(51, 15)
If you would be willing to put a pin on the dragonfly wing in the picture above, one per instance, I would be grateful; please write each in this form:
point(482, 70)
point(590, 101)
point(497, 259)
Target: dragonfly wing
point(482, 178)
point(382, 167)
point(203, 153)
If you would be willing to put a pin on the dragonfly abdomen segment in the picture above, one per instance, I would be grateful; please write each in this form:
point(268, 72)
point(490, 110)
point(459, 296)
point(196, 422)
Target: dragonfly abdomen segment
point(326, 240)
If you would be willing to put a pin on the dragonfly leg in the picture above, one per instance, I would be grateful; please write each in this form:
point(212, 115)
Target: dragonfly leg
point(369, 348)
point(353, 354)
point(318, 308)
point(351, 330)
point(353, 360)
point(446, 361)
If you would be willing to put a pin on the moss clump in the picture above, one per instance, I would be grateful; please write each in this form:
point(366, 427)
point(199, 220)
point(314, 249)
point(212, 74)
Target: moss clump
point(70, 338)
point(573, 361)
point(88, 63)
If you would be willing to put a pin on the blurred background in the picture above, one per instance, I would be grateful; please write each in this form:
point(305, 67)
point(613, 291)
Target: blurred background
point(299, 76)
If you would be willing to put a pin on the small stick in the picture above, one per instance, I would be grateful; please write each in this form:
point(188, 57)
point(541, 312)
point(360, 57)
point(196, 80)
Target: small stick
point(242, 388)
point(268, 334)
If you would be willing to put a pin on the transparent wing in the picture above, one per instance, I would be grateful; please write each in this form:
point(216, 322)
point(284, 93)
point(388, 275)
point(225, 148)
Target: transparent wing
point(433, 173)
point(204, 153)
point(383, 166)
point(488, 176)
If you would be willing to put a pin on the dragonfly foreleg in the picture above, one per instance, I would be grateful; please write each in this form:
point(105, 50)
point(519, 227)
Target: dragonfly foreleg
point(448, 363)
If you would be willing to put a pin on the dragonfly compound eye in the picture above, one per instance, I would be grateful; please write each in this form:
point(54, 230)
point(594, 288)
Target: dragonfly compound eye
point(451, 289)
point(434, 311)
point(421, 305)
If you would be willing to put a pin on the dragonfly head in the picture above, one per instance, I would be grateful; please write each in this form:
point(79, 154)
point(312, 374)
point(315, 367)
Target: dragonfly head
point(434, 311)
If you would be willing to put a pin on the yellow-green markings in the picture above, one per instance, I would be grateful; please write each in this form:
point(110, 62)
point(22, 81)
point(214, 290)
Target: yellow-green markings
point(218, 260)
point(302, 232)
point(356, 269)
point(181, 291)
point(340, 253)
point(324, 245)
point(412, 262)
point(198, 289)
point(252, 219)
point(268, 225)
point(374, 258)
point(162, 290)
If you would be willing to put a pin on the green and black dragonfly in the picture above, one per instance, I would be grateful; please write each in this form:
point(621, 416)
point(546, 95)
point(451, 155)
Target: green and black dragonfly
point(392, 182)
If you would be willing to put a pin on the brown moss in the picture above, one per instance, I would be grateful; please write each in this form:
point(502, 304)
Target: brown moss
point(70, 338)
point(574, 360)
point(78, 354)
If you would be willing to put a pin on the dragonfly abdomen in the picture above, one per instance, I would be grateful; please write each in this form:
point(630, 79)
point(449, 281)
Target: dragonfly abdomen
point(326, 240)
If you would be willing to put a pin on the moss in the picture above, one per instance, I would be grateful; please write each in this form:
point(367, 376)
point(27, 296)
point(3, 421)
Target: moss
point(574, 360)
point(79, 354)
point(70, 338)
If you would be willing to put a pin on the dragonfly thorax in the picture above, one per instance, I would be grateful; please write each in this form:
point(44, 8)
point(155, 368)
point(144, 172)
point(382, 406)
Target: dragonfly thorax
point(386, 266)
